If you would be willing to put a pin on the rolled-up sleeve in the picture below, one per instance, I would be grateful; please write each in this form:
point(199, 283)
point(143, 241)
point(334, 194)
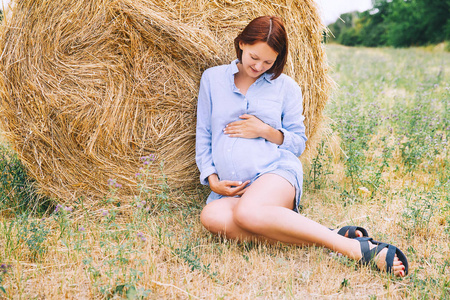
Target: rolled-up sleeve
point(292, 125)
point(203, 149)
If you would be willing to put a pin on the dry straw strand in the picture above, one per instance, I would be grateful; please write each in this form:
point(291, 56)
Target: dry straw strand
point(88, 87)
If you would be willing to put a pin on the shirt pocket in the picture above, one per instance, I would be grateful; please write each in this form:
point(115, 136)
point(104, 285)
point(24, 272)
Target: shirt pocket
point(269, 111)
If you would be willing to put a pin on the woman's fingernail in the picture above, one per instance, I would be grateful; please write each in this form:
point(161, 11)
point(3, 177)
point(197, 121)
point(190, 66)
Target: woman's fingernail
point(240, 182)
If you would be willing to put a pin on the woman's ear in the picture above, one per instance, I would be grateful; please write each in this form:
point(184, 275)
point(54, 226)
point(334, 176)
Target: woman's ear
point(241, 45)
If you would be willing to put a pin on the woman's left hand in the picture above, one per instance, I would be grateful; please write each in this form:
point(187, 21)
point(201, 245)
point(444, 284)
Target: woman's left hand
point(250, 127)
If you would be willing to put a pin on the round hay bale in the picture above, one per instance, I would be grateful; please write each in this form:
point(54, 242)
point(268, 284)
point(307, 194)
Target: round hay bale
point(89, 87)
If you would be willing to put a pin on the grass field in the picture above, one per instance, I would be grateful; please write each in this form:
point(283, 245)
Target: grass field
point(385, 167)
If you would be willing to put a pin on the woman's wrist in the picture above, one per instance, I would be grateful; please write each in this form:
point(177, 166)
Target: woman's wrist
point(272, 135)
point(212, 179)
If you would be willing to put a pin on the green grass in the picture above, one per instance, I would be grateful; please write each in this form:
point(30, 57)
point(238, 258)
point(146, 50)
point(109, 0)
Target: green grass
point(386, 167)
point(17, 190)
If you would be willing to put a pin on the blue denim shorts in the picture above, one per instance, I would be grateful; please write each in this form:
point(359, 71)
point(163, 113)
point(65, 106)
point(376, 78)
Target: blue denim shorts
point(289, 176)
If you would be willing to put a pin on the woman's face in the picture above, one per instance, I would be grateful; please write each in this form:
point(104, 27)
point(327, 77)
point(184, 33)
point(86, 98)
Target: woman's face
point(257, 58)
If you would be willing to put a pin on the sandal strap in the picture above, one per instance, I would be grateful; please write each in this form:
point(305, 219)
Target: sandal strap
point(390, 258)
point(367, 253)
point(363, 231)
point(352, 231)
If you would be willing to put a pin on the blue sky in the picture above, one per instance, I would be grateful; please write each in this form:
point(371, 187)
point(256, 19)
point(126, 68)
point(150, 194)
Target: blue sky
point(329, 9)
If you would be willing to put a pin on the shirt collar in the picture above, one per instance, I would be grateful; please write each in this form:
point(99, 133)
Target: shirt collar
point(234, 70)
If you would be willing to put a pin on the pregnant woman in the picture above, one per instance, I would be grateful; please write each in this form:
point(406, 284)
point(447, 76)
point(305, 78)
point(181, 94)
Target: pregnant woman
point(250, 133)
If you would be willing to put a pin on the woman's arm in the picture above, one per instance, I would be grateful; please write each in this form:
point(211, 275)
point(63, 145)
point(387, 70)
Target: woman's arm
point(292, 125)
point(203, 147)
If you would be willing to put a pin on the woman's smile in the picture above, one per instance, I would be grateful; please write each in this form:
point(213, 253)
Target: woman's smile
point(254, 70)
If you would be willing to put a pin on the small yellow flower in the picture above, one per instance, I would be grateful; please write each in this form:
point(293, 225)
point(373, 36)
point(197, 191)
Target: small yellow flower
point(364, 192)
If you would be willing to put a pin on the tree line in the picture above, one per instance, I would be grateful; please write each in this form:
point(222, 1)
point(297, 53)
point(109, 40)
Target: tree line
point(397, 23)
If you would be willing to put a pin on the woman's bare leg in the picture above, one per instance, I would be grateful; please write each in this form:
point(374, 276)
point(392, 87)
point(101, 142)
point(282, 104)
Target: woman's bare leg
point(218, 218)
point(265, 210)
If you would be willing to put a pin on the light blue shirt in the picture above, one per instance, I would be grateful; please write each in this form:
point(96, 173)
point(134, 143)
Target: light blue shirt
point(276, 102)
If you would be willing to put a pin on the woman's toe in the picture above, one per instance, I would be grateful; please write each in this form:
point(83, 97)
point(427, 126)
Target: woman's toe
point(397, 262)
point(398, 267)
point(399, 271)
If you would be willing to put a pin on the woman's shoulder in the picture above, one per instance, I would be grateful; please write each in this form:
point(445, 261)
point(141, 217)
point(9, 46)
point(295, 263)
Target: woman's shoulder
point(287, 82)
point(215, 71)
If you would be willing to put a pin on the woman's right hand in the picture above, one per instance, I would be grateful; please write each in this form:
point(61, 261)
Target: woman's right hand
point(227, 187)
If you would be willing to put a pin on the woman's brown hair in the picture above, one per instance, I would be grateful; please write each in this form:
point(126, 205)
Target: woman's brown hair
point(268, 29)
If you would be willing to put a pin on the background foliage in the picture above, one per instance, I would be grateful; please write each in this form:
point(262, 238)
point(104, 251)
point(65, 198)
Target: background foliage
point(397, 23)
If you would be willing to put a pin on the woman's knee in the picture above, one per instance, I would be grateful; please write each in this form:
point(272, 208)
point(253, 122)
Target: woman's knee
point(215, 217)
point(247, 217)
point(207, 217)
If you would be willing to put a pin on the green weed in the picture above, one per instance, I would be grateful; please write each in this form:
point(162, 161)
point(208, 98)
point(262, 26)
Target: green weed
point(17, 190)
point(320, 167)
point(419, 211)
point(34, 234)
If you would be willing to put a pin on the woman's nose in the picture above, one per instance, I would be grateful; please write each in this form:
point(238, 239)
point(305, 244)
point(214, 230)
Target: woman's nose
point(258, 67)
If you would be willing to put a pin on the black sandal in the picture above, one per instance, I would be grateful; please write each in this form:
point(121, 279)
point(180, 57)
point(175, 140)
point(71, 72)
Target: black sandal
point(352, 231)
point(368, 254)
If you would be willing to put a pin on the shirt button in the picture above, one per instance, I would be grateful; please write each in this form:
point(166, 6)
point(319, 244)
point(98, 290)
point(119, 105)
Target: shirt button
point(229, 150)
point(232, 173)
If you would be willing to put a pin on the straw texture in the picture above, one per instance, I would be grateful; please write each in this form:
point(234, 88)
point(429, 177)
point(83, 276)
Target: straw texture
point(89, 87)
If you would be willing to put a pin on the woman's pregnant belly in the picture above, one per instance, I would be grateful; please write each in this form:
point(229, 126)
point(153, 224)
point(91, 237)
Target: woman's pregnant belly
point(242, 159)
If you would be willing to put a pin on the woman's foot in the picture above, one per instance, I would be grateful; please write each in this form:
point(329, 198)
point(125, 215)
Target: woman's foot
point(398, 269)
point(386, 257)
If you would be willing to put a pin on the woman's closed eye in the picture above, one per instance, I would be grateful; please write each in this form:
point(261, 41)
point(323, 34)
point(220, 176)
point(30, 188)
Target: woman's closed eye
point(266, 62)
